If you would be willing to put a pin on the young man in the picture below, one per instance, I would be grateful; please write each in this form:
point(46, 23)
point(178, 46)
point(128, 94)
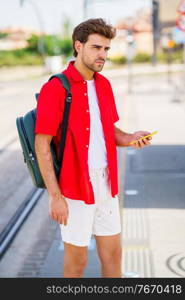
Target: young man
point(84, 201)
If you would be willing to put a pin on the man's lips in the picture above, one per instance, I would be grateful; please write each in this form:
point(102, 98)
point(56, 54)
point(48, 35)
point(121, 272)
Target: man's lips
point(99, 62)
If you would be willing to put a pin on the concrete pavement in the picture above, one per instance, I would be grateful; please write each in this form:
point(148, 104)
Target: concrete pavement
point(154, 195)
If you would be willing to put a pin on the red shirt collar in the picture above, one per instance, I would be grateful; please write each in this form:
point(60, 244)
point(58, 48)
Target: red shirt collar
point(74, 74)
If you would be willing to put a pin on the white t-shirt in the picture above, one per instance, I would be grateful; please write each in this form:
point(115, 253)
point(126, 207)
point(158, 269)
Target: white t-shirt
point(97, 153)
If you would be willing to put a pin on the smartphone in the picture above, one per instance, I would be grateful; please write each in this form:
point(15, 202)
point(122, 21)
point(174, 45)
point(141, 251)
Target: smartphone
point(143, 137)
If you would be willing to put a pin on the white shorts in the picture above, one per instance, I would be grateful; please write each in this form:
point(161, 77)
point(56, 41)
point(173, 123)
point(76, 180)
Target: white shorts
point(101, 218)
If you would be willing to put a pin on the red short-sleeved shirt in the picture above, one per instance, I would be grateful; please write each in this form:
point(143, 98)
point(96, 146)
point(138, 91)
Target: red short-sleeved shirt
point(74, 180)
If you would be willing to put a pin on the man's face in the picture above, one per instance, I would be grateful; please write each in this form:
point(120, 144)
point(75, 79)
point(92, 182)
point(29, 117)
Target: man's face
point(93, 53)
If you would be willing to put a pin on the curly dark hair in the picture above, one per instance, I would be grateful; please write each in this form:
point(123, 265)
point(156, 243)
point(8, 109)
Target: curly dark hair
point(91, 26)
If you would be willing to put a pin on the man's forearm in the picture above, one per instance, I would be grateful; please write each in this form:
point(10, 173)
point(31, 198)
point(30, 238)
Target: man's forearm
point(45, 161)
point(122, 138)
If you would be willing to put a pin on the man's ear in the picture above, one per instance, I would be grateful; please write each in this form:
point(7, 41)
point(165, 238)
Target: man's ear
point(78, 46)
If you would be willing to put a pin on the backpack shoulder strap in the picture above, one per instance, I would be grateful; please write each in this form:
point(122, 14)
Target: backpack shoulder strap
point(66, 84)
point(64, 81)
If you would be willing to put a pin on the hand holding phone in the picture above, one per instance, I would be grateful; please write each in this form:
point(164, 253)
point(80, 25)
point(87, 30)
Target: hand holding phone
point(144, 137)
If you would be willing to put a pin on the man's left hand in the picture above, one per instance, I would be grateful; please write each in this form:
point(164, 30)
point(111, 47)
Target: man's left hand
point(141, 143)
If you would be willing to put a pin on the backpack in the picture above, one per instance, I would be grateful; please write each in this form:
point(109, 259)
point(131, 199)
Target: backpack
point(26, 132)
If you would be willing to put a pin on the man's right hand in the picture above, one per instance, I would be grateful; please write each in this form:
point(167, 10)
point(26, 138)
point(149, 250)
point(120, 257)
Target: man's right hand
point(58, 209)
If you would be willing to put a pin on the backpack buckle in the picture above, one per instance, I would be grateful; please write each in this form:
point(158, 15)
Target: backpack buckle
point(69, 97)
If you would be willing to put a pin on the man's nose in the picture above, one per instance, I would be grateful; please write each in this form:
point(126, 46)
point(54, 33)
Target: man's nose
point(103, 54)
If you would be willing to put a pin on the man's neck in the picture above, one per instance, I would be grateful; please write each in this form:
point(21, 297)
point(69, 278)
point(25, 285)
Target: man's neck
point(85, 72)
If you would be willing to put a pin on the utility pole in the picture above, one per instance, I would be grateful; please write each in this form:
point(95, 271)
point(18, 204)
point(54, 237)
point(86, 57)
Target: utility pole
point(155, 26)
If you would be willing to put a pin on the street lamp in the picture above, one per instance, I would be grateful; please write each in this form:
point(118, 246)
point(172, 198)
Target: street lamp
point(131, 52)
point(41, 47)
point(155, 26)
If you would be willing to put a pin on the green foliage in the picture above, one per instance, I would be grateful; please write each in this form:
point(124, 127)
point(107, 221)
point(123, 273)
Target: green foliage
point(118, 60)
point(173, 55)
point(3, 35)
point(66, 47)
point(33, 43)
point(19, 57)
point(30, 55)
point(142, 57)
point(52, 44)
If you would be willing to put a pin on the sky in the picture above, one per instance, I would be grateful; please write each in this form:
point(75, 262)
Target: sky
point(53, 12)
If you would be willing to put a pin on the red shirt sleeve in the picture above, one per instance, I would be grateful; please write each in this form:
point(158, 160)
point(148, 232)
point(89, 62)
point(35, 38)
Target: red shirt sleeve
point(114, 112)
point(50, 107)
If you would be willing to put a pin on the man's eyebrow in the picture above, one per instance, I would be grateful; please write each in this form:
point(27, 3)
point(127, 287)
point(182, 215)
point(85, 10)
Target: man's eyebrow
point(99, 46)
